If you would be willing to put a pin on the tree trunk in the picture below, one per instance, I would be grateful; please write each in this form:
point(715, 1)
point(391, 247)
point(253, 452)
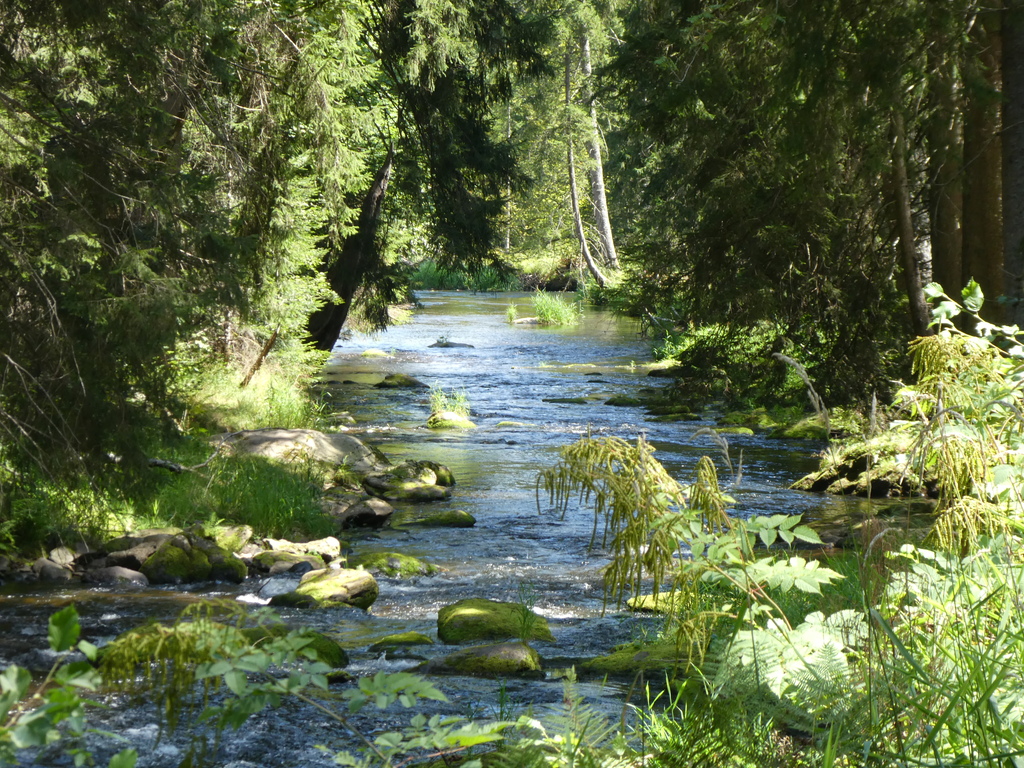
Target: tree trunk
point(982, 220)
point(945, 168)
point(920, 315)
point(596, 172)
point(359, 253)
point(1013, 155)
point(574, 194)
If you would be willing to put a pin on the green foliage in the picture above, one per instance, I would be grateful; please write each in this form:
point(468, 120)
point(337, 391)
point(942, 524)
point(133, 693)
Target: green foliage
point(277, 500)
point(430, 277)
point(35, 715)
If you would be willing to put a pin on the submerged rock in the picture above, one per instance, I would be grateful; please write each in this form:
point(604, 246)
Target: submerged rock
point(477, 618)
point(450, 345)
point(498, 661)
point(448, 518)
point(393, 564)
point(623, 401)
point(400, 641)
point(400, 381)
point(629, 660)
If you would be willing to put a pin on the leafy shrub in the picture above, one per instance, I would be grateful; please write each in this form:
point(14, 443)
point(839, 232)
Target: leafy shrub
point(552, 309)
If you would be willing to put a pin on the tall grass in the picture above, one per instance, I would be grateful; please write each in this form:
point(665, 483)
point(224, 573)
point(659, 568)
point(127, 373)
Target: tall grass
point(431, 277)
point(456, 401)
point(552, 309)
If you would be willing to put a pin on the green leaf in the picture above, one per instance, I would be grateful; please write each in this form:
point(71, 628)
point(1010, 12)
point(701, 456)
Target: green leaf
point(973, 297)
point(237, 682)
point(126, 758)
point(944, 312)
point(64, 629)
point(934, 291)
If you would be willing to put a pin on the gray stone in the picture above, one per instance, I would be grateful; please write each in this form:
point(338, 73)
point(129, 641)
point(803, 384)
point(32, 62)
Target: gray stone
point(115, 575)
point(306, 444)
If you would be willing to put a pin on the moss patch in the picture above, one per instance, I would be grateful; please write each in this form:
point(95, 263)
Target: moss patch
point(172, 564)
point(400, 640)
point(810, 428)
point(449, 420)
point(628, 660)
point(623, 401)
point(498, 661)
point(327, 589)
point(480, 619)
point(393, 564)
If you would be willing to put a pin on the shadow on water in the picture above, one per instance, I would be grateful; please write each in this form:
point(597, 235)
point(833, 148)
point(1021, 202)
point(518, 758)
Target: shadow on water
point(509, 375)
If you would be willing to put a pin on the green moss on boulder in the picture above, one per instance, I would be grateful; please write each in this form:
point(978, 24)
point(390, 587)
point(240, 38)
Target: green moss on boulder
point(399, 641)
point(623, 401)
point(628, 660)
point(393, 564)
point(449, 420)
point(811, 428)
point(502, 660)
point(176, 561)
point(480, 619)
point(274, 562)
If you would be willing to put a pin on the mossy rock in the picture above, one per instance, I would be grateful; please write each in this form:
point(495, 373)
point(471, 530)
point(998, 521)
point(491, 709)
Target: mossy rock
point(331, 588)
point(623, 401)
point(499, 661)
point(566, 400)
point(399, 641)
point(448, 518)
point(674, 417)
point(229, 537)
point(400, 381)
point(810, 428)
point(734, 430)
point(477, 618)
point(374, 353)
point(327, 548)
point(173, 563)
point(442, 474)
point(224, 565)
point(409, 481)
point(669, 410)
point(326, 649)
point(275, 562)
point(449, 420)
point(628, 660)
point(393, 564)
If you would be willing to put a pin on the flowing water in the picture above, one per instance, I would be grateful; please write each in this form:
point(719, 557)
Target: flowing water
point(519, 549)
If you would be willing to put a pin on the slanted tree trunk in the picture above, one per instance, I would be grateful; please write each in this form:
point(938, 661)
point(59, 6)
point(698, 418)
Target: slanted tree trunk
point(359, 254)
point(919, 313)
point(574, 194)
point(982, 219)
point(596, 171)
point(1013, 155)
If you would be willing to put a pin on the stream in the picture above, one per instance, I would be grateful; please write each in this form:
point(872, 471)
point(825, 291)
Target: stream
point(517, 549)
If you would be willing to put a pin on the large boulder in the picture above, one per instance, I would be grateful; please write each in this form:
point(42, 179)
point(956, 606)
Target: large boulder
point(176, 561)
point(477, 618)
point(115, 574)
point(306, 445)
point(329, 588)
point(502, 660)
point(630, 660)
point(400, 642)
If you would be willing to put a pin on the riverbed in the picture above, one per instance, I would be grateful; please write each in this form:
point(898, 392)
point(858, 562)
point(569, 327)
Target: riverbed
point(521, 548)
